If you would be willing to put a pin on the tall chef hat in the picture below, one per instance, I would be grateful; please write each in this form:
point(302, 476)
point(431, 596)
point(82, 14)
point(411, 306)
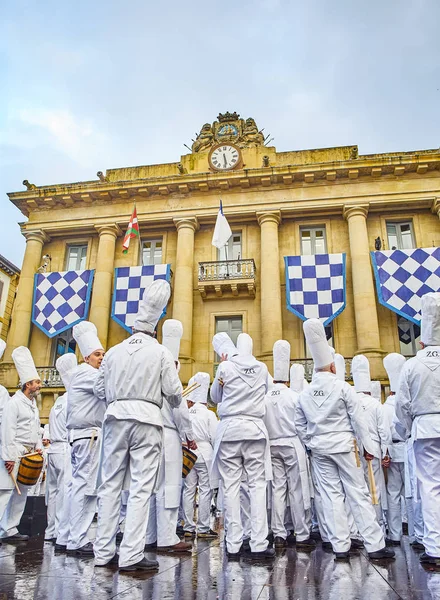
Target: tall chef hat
point(86, 336)
point(65, 365)
point(172, 332)
point(223, 344)
point(376, 390)
point(340, 366)
point(317, 343)
point(297, 381)
point(360, 369)
point(281, 360)
point(245, 344)
point(201, 393)
point(2, 347)
point(430, 334)
point(152, 305)
point(24, 363)
point(393, 364)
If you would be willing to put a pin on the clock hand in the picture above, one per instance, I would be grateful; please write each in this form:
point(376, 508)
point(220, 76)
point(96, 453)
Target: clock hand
point(224, 160)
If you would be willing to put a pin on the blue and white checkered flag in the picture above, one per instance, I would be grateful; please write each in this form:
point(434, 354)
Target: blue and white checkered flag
point(130, 283)
point(315, 286)
point(404, 276)
point(61, 300)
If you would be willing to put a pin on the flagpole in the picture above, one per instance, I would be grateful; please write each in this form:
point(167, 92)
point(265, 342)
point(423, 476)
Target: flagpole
point(141, 258)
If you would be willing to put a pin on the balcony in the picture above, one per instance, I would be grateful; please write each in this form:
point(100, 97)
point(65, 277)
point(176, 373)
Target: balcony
point(230, 278)
point(50, 377)
point(307, 363)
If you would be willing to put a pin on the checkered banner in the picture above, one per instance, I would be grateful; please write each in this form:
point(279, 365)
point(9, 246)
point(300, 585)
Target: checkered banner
point(404, 276)
point(61, 299)
point(130, 283)
point(315, 286)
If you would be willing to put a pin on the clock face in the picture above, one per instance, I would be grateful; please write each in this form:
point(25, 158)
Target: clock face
point(224, 158)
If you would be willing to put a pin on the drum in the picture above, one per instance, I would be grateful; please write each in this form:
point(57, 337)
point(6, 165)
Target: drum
point(189, 460)
point(30, 469)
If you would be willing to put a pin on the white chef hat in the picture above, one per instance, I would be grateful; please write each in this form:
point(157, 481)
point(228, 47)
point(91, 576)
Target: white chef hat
point(430, 331)
point(393, 364)
point(333, 351)
point(297, 380)
point(245, 344)
point(201, 393)
point(376, 390)
point(317, 343)
point(223, 344)
point(86, 336)
point(340, 366)
point(360, 369)
point(65, 365)
point(281, 360)
point(2, 347)
point(24, 363)
point(172, 332)
point(152, 305)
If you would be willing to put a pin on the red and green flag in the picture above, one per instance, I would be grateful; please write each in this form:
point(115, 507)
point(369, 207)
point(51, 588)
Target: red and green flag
point(132, 231)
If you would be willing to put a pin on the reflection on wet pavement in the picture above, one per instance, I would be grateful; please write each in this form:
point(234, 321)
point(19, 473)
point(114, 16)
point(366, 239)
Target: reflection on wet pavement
point(33, 571)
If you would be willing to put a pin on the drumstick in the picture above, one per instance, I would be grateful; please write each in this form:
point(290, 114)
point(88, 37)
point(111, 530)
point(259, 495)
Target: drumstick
point(373, 490)
point(190, 389)
point(15, 482)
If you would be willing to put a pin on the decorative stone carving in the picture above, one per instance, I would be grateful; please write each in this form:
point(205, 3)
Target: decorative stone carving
point(204, 140)
point(229, 128)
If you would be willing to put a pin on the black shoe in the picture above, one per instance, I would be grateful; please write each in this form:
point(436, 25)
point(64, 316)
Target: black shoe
point(405, 528)
point(270, 538)
point(60, 548)
point(246, 545)
point(180, 531)
point(279, 542)
point(86, 550)
point(190, 534)
point(390, 542)
point(269, 553)
point(291, 539)
point(18, 537)
point(111, 563)
point(306, 545)
point(207, 535)
point(418, 546)
point(315, 535)
point(342, 555)
point(382, 553)
point(234, 555)
point(327, 546)
point(142, 565)
point(430, 560)
point(152, 546)
point(119, 537)
point(356, 544)
point(50, 540)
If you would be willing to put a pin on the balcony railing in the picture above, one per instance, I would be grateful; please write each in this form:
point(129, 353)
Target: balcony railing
point(50, 377)
point(308, 367)
point(227, 277)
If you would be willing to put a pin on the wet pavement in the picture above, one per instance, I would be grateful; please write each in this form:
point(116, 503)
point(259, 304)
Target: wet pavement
point(32, 571)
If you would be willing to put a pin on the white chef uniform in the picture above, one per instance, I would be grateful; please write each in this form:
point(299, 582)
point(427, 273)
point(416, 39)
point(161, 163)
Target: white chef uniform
point(418, 410)
point(134, 378)
point(84, 416)
point(241, 444)
point(204, 424)
point(4, 394)
point(290, 481)
point(20, 430)
point(327, 418)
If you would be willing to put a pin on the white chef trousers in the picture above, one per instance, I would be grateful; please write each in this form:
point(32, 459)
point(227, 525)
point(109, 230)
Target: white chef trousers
point(338, 478)
point(395, 491)
point(286, 485)
point(378, 479)
point(64, 523)
point(427, 459)
point(198, 476)
point(54, 493)
point(12, 507)
point(126, 445)
point(245, 510)
point(234, 458)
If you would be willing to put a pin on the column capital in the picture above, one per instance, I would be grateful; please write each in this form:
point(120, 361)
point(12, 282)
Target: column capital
point(436, 206)
point(355, 210)
point(186, 223)
point(273, 216)
point(37, 235)
point(109, 229)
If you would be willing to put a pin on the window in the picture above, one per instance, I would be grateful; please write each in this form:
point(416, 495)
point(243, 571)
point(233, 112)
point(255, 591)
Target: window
point(328, 335)
point(1, 290)
point(233, 326)
point(232, 250)
point(64, 343)
point(76, 258)
point(400, 236)
point(152, 252)
point(409, 336)
point(313, 240)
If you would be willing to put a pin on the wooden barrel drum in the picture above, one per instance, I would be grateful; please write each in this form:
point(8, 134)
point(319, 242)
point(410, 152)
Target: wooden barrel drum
point(189, 460)
point(30, 469)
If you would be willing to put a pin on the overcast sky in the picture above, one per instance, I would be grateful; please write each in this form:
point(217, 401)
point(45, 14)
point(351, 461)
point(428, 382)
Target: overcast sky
point(87, 86)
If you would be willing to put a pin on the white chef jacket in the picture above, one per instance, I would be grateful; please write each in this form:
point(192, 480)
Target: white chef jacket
point(204, 424)
point(4, 397)
point(380, 434)
point(397, 449)
point(280, 415)
point(20, 426)
point(85, 412)
point(329, 415)
point(57, 426)
point(418, 398)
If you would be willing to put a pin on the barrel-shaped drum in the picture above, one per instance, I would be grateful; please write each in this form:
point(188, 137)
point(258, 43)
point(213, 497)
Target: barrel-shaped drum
point(189, 460)
point(30, 469)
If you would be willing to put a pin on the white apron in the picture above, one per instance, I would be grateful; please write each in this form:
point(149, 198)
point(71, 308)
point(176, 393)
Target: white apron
point(304, 472)
point(172, 457)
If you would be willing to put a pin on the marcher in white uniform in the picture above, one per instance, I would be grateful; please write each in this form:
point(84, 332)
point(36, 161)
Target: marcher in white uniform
point(135, 378)
point(379, 434)
point(165, 502)
point(298, 382)
point(290, 482)
point(85, 413)
point(418, 410)
point(4, 394)
point(204, 424)
point(59, 463)
point(242, 444)
point(19, 435)
point(327, 418)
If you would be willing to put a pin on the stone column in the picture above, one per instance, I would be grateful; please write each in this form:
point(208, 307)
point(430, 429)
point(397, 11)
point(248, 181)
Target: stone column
point(102, 282)
point(270, 292)
point(364, 294)
point(183, 293)
point(21, 323)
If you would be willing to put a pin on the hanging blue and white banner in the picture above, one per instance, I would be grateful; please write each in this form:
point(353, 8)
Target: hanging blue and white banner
point(315, 286)
point(61, 299)
point(404, 276)
point(130, 283)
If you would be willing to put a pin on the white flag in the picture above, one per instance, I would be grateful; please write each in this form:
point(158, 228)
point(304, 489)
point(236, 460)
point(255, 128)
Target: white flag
point(222, 231)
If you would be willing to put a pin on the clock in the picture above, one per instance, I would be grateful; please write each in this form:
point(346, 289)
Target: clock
point(224, 157)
